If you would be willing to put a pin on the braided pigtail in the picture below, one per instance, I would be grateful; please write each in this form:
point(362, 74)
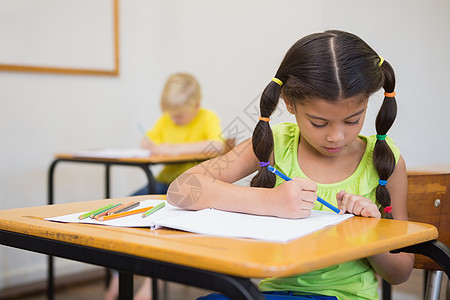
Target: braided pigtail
point(383, 157)
point(262, 139)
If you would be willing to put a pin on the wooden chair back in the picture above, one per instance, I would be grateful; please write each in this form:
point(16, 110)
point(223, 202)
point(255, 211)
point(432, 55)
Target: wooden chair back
point(429, 202)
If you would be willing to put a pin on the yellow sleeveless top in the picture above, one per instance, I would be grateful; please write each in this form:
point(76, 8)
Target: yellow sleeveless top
point(350, 280)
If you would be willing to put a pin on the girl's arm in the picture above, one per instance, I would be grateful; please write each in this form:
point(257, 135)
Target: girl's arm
point(209, 184)
point(396, 268)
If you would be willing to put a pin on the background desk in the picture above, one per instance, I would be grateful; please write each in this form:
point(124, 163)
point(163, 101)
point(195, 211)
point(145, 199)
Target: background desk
point(221, 264)
point(143, 163)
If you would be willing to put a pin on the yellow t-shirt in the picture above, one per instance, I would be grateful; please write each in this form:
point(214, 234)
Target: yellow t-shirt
point(205, 126)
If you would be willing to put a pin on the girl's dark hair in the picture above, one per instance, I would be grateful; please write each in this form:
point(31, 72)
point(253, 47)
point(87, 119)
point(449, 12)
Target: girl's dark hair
point(332, 65)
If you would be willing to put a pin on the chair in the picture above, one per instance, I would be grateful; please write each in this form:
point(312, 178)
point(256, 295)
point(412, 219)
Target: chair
point(428, 202)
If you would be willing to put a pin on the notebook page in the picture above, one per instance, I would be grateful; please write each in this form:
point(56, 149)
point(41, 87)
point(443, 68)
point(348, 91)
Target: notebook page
point(113, 153)
point(231, 224)
point(136, 220)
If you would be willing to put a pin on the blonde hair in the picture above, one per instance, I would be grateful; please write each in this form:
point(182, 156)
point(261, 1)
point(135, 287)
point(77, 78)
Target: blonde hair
point(180, 90)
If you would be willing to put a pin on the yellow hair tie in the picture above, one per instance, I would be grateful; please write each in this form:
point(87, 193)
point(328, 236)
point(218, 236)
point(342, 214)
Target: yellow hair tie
point(264, 119)
point(278, 81)
point(381, 61)
point(390, 95)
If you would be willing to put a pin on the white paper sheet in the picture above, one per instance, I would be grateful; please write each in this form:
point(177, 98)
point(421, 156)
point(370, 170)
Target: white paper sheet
point(129, 221)
point(220, 223)
point(230, 224)
point(113, 153)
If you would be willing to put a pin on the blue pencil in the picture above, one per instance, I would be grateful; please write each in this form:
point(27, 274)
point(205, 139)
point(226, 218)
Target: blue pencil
point(142, 130)
point(276, 172)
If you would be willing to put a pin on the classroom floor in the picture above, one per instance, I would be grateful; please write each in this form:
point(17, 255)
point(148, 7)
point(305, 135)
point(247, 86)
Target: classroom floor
point(411, 290)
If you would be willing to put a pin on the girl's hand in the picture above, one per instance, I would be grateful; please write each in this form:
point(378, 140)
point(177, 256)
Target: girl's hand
point(357, 205)
point(294, 199)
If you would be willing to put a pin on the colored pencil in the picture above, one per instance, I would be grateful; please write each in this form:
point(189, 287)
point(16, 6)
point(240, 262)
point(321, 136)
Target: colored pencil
point(153, 209)
point(276, 172)
point(103, 210)
point(115, 208)
point(124, 214)
point(127, 207)
point(104, 213)
point(119, 207)
point(88, 214)
point(143, 132)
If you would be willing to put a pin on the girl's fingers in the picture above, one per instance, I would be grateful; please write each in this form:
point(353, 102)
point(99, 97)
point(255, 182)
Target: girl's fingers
point(345, 203)
point(307, 204)
point(356, 205)
point(350, 202)
point(370, 211)
point(340, 195)
point(341, 205)
point(296, 202)
point(305, 184)
point(359, 206)
point(365, 212)
point(310, 197)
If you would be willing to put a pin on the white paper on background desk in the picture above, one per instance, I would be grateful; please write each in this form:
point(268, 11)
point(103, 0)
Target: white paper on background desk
point(129, 221)
point(219, 223)
point(113, 153)
point(229, 224)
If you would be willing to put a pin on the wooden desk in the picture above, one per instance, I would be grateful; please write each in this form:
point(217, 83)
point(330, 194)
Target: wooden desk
point(430, 169)
point(142, 163)
point(215, 263)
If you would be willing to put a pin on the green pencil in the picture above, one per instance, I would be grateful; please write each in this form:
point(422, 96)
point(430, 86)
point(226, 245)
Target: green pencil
point(88, 214)
point(152, 210)
point(104, 210)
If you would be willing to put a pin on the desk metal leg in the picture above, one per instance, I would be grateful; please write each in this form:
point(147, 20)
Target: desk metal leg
point(151, 190)
point(150, 178)
point(50, 260)
point(107, 180)
point(51, 172)
point(433, 287)
point(50, 277)
point(386, 290)
point(231, 286)
point(155, 289)
point(145, 168)
point(50, 201)
point(125, 286)
point(436, 250)
point(107, 196)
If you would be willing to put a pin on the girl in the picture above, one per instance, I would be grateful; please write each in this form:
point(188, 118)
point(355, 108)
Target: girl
point(325, 80)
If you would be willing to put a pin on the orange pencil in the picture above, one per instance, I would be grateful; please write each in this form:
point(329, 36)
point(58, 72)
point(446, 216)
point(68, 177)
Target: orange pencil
point(124, 214)
point(120, 207)
point(96, 216)
point(127, 207)
point(115, 208)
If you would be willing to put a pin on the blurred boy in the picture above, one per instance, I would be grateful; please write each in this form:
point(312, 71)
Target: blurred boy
point(185, 127)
